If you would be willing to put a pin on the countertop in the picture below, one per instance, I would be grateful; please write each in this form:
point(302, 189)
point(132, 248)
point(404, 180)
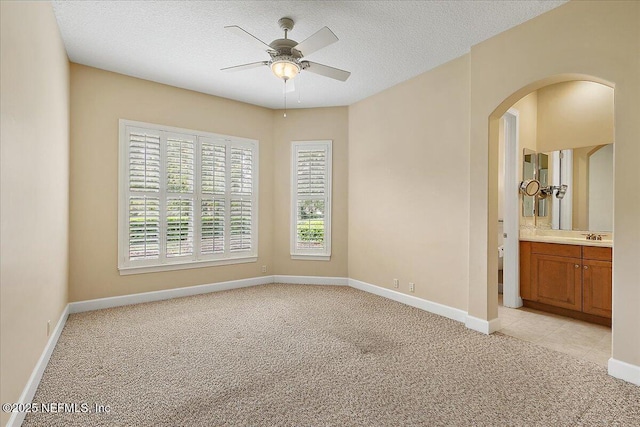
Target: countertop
point(565, 238)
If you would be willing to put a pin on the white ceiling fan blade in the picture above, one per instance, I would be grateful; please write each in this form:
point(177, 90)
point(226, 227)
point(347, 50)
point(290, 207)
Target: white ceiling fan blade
point(245, 66)
point(322, 38)
point(248, 37)
point(325, 70)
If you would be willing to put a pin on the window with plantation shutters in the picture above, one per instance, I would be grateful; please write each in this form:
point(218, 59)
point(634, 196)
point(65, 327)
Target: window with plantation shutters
point(187, 198)
point(311, 200)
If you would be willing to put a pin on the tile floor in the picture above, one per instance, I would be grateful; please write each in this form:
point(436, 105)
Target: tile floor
point(577, 338)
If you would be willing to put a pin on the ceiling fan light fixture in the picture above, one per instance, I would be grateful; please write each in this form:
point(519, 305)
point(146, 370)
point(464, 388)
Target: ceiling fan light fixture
point(285, 69)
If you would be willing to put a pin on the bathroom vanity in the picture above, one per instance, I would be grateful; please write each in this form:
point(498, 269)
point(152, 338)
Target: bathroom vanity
point(564, 270)
point(569, 276)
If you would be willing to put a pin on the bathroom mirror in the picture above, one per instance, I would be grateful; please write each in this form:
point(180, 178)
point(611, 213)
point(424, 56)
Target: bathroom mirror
point(588, 202)
point(528, 174)
point(543, 178)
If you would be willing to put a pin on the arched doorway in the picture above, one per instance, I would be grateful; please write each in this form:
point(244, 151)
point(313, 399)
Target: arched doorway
point(503, 126)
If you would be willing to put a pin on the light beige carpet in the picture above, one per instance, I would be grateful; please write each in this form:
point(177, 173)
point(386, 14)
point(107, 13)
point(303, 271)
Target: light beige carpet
point(298, 355)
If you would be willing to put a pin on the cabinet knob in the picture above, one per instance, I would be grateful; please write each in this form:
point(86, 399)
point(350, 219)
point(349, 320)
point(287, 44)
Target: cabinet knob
point(586, 267)
point(577, 266)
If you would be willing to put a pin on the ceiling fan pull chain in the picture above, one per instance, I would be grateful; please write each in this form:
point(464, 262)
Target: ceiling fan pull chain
point(285, 98)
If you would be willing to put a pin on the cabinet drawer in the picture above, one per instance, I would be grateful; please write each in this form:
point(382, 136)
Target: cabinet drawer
point(597, 253)
point(572, 251)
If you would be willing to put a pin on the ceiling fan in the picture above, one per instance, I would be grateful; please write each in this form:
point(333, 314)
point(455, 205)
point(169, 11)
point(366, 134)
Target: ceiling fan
point(287, 55)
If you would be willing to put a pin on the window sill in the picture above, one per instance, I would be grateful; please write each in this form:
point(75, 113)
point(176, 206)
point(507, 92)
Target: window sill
point(311, 257)
point(125, 271)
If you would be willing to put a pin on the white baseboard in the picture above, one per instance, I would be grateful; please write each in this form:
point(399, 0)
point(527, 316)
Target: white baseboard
point(311, 280)
point(484, 326)
point(423, 304)
point(30, 388)
point(624, 371)
point(97, 304)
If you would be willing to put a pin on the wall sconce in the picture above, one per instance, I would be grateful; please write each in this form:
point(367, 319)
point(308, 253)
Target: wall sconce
point(548, 191)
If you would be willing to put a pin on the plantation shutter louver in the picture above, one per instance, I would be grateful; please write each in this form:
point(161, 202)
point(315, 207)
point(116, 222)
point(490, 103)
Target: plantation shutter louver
point(311, 198)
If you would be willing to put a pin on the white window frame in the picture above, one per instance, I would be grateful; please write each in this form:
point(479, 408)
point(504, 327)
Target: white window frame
point(313, 254)
point(197, 260)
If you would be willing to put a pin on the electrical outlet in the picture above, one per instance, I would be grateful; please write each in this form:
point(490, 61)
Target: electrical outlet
point(264, 269)
point(396, 283)
point(412, 287)
point(48, 327)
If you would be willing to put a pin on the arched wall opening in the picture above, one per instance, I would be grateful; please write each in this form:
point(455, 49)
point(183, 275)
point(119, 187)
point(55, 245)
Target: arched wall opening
point(558, 133)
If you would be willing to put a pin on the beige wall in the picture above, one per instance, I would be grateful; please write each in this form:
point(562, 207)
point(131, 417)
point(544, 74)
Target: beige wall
point(578, 39)
point(35, 188)
point(409, 185)
point(527, 109)
point(305, 125)
point(98, 99)
point(574, 114)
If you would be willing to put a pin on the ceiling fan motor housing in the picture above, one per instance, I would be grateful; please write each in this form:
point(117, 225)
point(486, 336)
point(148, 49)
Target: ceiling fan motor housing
point(284, 47)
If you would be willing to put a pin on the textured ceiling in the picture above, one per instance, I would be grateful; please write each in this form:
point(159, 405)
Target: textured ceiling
point(184, 44)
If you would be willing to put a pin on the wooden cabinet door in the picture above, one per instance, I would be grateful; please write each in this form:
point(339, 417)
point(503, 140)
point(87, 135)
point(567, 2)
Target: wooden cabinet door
point(557, 281)
point(597, 287)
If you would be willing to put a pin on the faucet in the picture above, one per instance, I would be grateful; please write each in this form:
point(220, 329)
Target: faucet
point(594, 236)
